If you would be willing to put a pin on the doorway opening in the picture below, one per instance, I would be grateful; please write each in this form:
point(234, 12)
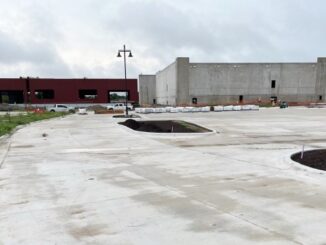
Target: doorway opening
point(118, 96)
point(241, 99)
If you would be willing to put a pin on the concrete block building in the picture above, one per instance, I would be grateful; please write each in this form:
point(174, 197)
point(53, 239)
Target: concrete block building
point(185, 83)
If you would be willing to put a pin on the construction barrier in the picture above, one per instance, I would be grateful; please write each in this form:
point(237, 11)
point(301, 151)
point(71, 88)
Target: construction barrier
point(190, 109)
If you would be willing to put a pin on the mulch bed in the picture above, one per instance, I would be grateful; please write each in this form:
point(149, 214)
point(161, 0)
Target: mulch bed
point(314, 159)
point(108, 111)
point(168, 126)
point(125, 116)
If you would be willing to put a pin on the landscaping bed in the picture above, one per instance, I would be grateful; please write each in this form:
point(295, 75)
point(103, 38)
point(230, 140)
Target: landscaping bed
point(166, 126)
point(314, 159)
point(105, 111)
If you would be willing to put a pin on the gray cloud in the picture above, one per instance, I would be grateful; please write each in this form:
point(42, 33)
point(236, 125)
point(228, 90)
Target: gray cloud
point(116, 70)
point(28, 35)
point(225, 30)
point(81, 38)
point(14, 51)
point(40, 57)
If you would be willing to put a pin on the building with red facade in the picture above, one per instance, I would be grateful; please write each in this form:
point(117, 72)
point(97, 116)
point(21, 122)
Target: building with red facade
point(67, 91)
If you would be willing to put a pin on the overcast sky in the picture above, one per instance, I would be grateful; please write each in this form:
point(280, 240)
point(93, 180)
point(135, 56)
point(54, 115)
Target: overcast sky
point(80, 38)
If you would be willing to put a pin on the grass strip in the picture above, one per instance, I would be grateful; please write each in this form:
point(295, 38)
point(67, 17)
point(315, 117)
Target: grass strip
point(8, 122)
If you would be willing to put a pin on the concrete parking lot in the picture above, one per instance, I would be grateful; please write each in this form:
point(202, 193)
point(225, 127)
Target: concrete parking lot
point(88, 180)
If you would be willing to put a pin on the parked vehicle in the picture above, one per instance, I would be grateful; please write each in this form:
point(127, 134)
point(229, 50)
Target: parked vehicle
point(82, 111)
point(60, 108)
point(283, 105)
point(119, 106)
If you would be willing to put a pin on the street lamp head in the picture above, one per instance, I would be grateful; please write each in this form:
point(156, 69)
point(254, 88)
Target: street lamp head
point(130, 55)
point(119, 55)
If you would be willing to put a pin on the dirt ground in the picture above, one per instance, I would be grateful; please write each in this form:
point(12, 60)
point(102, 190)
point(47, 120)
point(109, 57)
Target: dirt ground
point(165, 126)
point(314, 159)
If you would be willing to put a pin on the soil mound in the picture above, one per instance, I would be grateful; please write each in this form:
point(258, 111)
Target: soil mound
point(314, 159)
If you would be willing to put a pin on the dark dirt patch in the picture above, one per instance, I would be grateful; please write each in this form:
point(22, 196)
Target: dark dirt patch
point(167, 126)
point(108, 111)
point(314, 159)
point(129, 116)
point(95, 108)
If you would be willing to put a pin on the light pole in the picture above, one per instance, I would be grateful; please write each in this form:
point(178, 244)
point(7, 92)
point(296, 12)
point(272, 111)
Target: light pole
point(124, 51)
point(27, 98)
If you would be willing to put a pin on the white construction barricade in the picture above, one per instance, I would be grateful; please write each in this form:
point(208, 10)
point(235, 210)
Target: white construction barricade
point(237, 108)
point(188, 109)
point(174, 110)
point(205, 109)
point(138, 110)
point(180, 109)
point(168, 109)
point(148, 110)
point(218, 108)
point(228, 108)
point(196, 109)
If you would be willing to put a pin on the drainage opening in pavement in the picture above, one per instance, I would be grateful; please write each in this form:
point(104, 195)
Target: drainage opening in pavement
point(166, 126)
point(314, 158)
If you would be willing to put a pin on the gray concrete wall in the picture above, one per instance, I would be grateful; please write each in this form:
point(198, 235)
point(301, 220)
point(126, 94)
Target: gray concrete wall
point(224, 83)
point(182, 74)
point(321, 80)
point(147, 89)
point(215, 83)
point(166, 85)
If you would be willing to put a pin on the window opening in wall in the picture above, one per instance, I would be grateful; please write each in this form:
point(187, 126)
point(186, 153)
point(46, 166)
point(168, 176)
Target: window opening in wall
point(44, 94)
point(273, 85)
point(240, 98)
point(320, 97)
point(12, 96)
point(194, 101)
point(118, 96)
point(87, 94)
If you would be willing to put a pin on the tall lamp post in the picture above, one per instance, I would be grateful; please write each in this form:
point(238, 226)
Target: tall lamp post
point(27, 98)
point(124, 51)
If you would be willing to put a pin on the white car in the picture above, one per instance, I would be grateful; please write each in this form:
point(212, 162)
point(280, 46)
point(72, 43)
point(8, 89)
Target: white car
point(119, 106)
point(60, 108)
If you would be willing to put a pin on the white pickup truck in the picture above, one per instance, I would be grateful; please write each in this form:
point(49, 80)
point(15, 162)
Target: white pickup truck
point(119, 106)
point(60, 108)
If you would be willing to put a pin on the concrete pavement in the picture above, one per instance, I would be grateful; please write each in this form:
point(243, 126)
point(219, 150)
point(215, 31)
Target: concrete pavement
point(92, 181)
